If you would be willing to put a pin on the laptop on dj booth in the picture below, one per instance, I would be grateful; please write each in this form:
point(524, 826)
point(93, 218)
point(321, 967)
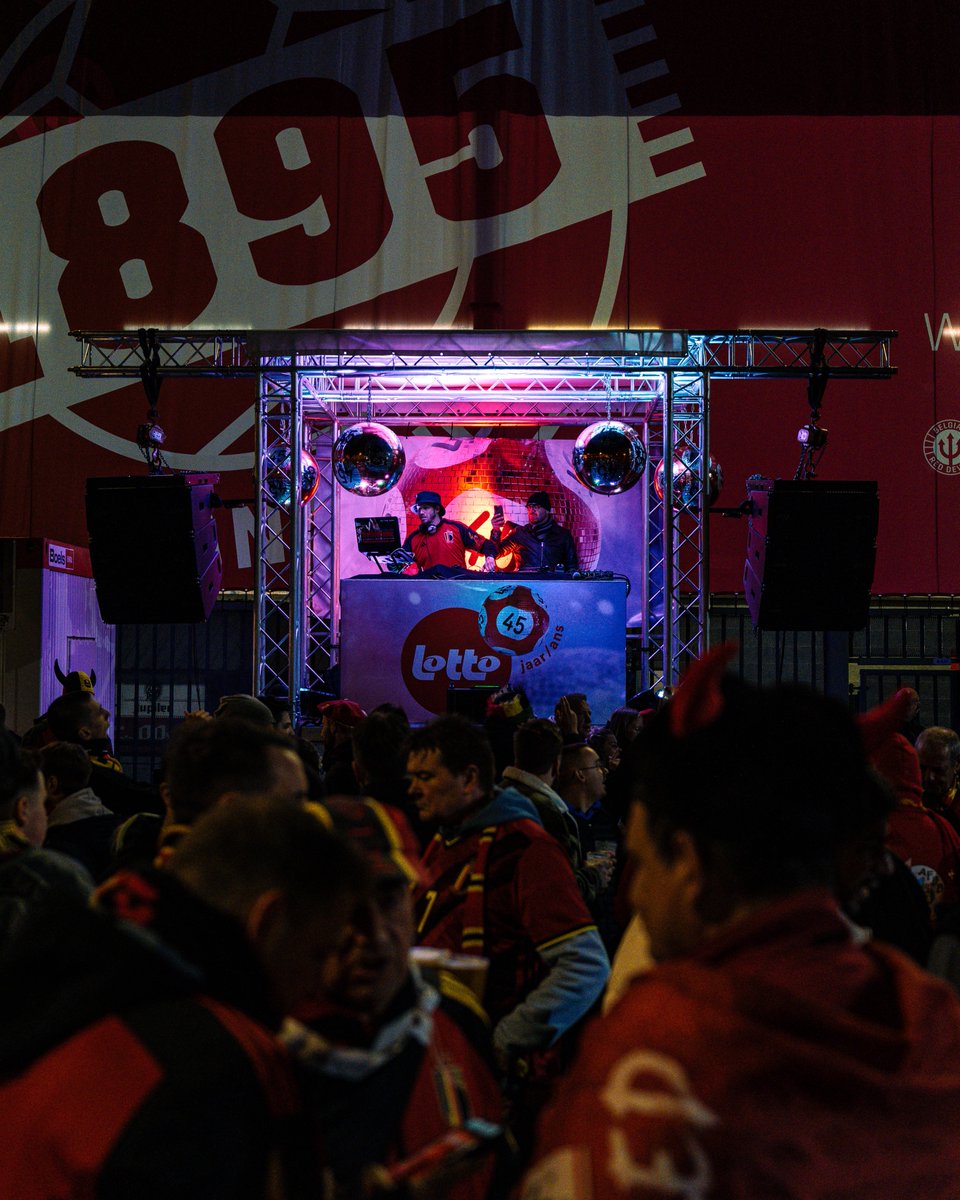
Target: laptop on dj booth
point(379, 538)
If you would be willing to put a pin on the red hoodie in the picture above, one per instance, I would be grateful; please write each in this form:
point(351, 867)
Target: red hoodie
point(926, 842)
point(782, 1060)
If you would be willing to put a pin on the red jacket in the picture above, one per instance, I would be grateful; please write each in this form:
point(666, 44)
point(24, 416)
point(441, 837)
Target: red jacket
point(926, 841)
point(784, 1059)
point(930, 847)
point(130, 1067)
point(446, 545)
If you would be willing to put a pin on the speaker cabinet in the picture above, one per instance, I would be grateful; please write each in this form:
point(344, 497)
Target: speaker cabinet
point(153, 547)
point(471, 702)
point(811, 549)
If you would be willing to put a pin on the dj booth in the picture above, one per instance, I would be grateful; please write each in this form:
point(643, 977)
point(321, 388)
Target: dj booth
point(319, 385)
point(410, 640)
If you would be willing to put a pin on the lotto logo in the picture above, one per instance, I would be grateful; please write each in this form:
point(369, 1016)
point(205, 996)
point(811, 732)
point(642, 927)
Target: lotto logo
point(458, 664)
point(445, 650)
point(513, 619)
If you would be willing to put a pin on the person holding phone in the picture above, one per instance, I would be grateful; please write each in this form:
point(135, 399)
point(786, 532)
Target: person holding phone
point(541, 544)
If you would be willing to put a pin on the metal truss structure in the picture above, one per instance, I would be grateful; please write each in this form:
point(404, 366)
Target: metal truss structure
point(188, 354)
point(312, 383)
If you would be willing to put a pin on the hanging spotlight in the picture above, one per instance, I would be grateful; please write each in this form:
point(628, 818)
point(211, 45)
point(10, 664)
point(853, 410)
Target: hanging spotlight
point(609, 457)
point(368, 459)
point(276, 477)
point(686, 479)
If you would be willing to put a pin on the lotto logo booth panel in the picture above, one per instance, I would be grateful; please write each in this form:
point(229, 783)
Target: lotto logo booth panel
point(153, 547)
point(547, 636)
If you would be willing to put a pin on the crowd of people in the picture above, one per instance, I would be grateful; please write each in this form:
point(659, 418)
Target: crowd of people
point(710, 949)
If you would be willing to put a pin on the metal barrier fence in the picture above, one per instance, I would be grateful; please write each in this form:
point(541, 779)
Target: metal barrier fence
point(165, 670)
point(908, 641)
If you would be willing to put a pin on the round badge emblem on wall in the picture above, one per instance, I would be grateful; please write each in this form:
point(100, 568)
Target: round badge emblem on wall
point(941, 447)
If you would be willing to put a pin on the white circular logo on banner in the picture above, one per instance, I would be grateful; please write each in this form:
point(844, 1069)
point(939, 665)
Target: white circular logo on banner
point(941, 447)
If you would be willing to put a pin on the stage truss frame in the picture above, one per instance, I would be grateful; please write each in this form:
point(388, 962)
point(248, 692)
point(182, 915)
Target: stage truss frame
point(313, 383)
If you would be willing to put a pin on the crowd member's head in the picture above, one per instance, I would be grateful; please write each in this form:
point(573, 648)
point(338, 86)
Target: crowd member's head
point(624, 724)
point(340, 718)
point(507, 709)
point(537, 745)
point(23, 791)
point(75, 681)
point(242, 707)
point(509, 704)
point(280, 711)
point(380, 750)
point(582, 778)
point(581, 708)
point(211, 762)
point(742, 796)
point(284, 877)
point(67, 769)
point(451, 769)
point(605, 743)
point(896, 760)
point(78, 717)
point(366, 973)
point(939, 751)
point(397, 711)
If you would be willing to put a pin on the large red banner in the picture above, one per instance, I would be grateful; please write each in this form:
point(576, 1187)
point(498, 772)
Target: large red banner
point(491, 164)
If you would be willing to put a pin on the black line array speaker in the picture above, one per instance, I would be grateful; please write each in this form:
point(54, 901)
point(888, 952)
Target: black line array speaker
point(811, 549)
point(153, 547)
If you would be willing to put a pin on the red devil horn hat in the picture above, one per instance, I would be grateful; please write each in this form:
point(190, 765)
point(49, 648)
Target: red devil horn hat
point(698, 700)
point(879, 724)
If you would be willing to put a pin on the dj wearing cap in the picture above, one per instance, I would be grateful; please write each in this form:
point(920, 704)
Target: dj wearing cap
point(541, 544)
point(439, 542)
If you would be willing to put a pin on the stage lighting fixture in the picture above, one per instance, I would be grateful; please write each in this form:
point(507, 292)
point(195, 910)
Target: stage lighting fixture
point(368, 459)
point(609, 457)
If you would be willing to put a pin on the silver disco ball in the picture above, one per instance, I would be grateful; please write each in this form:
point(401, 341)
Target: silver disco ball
point(686, 479)
point(609, 457)
point(368, 459)
point(276, 475)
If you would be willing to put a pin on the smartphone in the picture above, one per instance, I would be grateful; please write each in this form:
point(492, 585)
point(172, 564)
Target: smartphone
point(498, 510)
